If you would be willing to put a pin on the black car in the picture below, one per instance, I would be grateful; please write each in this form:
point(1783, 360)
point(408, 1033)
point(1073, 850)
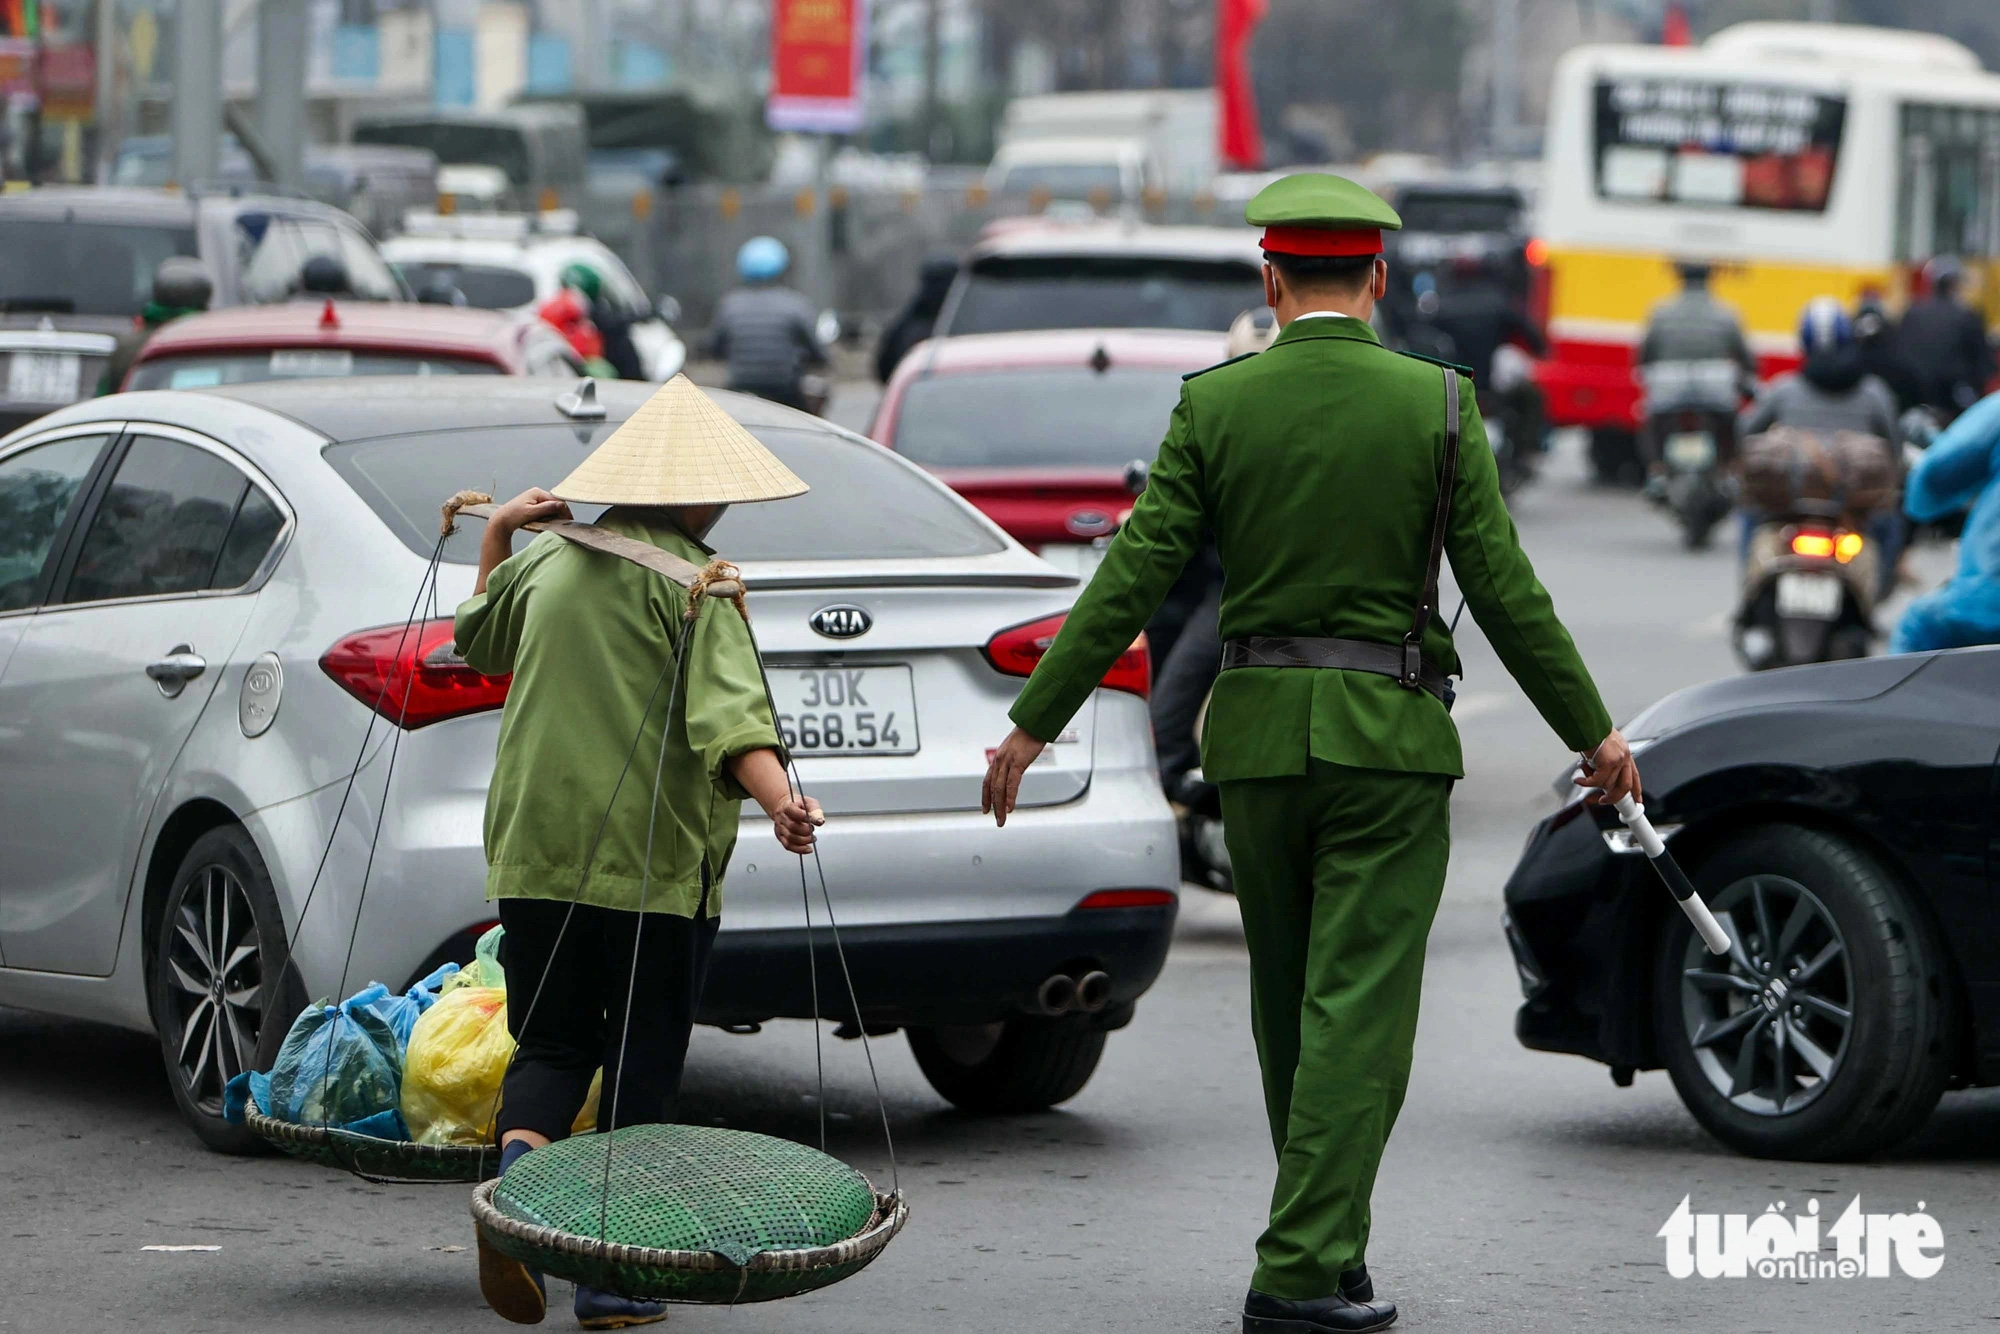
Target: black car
point(1839, 819)
point(77, 265)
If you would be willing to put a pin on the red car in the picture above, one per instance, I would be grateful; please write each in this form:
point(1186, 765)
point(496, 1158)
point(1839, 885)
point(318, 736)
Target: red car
point(1037, 428)
point(303, 339)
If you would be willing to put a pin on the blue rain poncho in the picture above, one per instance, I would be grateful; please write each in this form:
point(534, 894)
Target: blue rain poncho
point(1958, 471)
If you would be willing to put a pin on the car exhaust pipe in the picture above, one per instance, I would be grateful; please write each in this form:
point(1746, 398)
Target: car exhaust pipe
point(1056, 995)
point(1093, 991)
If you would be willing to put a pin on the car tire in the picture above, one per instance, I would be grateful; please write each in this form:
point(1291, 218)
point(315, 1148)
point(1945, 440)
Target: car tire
point(1022, 1064)
point(1882, 963)
point(201, 929)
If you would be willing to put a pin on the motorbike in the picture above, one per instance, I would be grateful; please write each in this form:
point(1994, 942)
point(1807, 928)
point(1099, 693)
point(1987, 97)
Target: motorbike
point(1513, 428)
point(1809, 590)
point(1691, 419)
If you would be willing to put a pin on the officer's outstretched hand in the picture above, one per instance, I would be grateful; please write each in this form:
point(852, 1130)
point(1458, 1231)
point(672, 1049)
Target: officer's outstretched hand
point(1610, 770)
point(1003, 774)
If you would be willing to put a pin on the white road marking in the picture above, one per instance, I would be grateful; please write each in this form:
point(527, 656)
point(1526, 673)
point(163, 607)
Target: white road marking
point(180, 1248)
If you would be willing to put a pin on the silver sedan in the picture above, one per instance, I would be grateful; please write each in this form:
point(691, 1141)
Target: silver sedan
point(215, 737)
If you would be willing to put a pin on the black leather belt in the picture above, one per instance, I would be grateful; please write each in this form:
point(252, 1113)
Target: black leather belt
point(1401, 662)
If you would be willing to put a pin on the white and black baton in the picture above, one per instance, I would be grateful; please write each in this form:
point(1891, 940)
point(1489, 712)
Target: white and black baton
point(1634, 815)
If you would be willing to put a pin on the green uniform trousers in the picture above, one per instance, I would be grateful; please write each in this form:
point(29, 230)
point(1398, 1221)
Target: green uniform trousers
point(1338, 875)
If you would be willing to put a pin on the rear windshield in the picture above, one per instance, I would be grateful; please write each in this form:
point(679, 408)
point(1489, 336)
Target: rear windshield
point(206, 370)
point(1106, 292)
point(1439, 212)
point(83, 268)
point(865, 504)
point(1037, 418)
point(1065, 180)
point(487, 286)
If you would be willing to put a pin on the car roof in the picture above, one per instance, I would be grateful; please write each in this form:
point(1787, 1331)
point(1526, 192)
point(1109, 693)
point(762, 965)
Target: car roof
point(116, 204)
point(1166, 349)
point(366, 407)
point(379, 325)
point(1122, 240)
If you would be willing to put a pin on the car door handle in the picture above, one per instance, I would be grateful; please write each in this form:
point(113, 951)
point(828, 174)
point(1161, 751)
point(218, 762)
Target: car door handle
point(174, 671)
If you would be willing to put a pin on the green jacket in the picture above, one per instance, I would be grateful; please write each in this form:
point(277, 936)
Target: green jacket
point(587, 637)
point(1315, 463)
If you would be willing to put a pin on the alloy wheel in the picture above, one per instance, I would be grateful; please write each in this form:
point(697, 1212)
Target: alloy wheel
point(1769, 1022)
point(214, 984)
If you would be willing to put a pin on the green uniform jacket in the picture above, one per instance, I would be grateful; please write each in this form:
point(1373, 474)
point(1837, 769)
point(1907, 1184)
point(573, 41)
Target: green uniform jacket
point(1316, 462)
point(586, 636)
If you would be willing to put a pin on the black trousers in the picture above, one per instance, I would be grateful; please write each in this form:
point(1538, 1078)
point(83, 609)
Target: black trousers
point(579, 1018)
point(1180, 688)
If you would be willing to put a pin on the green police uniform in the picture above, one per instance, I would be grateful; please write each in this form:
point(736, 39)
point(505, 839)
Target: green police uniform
point(1316, 464)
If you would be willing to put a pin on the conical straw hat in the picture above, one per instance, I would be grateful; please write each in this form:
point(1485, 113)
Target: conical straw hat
point(680, 448)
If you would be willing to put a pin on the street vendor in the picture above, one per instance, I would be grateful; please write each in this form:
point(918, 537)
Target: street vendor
point(611, 905)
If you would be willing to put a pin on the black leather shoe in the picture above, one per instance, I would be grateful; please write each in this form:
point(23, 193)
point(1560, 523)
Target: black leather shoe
point(1356, 1286)
point(1264, 1314)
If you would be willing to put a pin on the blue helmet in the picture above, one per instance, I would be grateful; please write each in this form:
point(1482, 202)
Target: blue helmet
point(763, 259)
point(1825, 326)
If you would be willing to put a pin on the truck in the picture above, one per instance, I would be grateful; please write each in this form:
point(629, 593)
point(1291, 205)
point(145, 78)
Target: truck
point(1107, 147)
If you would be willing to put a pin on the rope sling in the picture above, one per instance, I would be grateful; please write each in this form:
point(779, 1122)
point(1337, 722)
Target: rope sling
point(680, 1213)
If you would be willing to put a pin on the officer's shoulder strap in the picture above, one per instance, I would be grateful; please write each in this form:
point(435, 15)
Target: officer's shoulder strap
point(1466, 371)
point(1217, 366)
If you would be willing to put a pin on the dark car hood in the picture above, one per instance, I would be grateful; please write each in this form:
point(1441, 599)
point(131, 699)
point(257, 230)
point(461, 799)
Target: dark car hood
point(1822, 683)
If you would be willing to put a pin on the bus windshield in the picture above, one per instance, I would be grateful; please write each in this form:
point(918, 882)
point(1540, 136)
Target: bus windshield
point(1679, 140)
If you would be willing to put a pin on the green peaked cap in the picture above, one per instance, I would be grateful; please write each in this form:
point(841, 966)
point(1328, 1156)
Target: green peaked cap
point(1317, 199)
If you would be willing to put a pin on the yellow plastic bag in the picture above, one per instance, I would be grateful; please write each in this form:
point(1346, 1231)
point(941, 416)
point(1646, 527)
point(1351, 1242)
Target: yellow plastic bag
point(457, 1056)
point(455, 1061)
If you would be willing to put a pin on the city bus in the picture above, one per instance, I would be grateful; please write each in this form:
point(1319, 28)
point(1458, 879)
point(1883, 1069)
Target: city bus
point(1801, 160)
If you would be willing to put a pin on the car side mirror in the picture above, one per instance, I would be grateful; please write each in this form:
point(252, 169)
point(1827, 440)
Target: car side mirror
point(669, 309)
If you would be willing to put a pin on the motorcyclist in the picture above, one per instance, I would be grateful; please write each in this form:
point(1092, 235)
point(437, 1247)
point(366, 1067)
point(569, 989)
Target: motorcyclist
point(919, 317)
point(766, 331)
point(1832, 391)
point(181, 286)
point(1959, 470)
point(1691, 344)
point(614, 326)
point(1883, 355)
point(1946, 342)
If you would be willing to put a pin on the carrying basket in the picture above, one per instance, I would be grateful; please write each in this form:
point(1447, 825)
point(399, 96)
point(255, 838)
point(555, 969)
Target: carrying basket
point(691, 1214)
point(387, 1161)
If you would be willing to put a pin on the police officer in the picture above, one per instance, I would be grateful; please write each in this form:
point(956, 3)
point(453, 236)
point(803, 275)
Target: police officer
point(1325, 467)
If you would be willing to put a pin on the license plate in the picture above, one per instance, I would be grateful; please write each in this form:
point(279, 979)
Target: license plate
point(305, 362)
point(846, 710)
point(1690, 451)
point(1812, 597)
point(44, 377)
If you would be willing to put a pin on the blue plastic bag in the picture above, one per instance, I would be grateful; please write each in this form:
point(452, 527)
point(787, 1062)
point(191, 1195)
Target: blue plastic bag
point(342, 1065)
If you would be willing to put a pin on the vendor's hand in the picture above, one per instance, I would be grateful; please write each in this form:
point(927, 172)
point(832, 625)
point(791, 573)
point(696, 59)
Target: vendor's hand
point(1611, 772)
point(794, 820)
point(1003, 774)
point(532, 506)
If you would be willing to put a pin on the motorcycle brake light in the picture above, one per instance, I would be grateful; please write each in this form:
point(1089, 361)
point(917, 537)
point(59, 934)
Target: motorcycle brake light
point(1817, 545)
point(1016, 651)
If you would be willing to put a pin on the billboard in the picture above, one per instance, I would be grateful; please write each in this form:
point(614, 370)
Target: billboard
point(819, 65)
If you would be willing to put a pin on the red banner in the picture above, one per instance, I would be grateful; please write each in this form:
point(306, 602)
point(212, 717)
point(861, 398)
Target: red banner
point(1235, 23)
point(819, 65)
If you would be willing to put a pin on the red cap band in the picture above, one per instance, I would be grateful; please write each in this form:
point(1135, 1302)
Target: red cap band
point(1323, 241)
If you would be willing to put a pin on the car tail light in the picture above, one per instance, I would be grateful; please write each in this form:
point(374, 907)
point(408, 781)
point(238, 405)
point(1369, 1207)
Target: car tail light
point(1015, 653)
point(412, 675)
point(1127, 898)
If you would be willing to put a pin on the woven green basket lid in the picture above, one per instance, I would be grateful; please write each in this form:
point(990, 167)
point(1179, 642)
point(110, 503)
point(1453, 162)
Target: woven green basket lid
point(689, 1188)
